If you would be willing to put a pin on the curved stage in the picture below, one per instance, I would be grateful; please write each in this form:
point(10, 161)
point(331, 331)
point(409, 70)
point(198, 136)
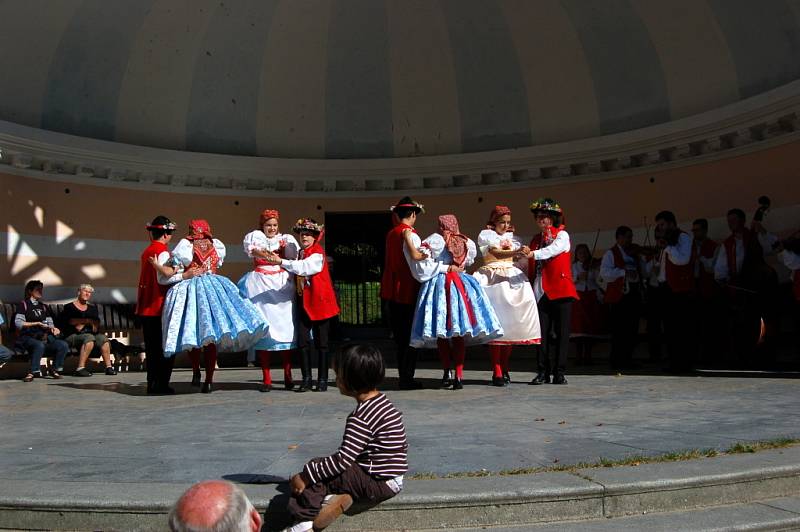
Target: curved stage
point(98, 452)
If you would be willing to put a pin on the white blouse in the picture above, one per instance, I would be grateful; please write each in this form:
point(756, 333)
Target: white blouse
point(591, 280)
point(438, 258)
point(258, 240)
point(488, 239)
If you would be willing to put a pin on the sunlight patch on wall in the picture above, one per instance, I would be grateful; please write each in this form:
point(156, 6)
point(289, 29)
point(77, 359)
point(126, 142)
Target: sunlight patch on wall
point(94, 271)
point(19, 252)
point(63, 231)
point(80, 246)
point(38, 213)
point(118, 296)
point(48, 277)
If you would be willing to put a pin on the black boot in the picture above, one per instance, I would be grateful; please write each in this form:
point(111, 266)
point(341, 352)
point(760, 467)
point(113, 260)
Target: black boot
point(447, 378)
point(305, 369)
point(507, 377)
point(540, 378)
point(322, 372)
point(559, 378)
point(196, 378)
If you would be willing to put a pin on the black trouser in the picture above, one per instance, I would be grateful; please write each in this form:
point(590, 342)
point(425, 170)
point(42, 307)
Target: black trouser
point(678, 328)
point(555, 316)
point(159, 367)
point(306, 328)
point(624, 327)
point(401, 318)
point(655, 309)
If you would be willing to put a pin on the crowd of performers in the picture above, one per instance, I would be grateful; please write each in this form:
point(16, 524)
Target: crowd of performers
point(517, 294)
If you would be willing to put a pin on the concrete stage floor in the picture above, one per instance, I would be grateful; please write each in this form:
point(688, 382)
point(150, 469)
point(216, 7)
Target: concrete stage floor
point(105, 429)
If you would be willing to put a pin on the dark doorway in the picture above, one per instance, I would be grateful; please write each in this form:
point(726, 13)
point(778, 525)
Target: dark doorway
point(356, 242)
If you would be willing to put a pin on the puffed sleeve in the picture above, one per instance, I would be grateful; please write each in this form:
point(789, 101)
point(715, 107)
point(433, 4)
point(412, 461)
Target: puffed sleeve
point(434, 245)
point(254, 240)
point(488, 238)
point(472, 253)
point(219, 247)
point(292, 250)
point(183, 252)
point(516, 243)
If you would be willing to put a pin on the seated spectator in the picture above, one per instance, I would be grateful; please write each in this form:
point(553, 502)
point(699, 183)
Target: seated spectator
point(214, 505)
point(5, 353)
point(37, 334)
point(80, 322)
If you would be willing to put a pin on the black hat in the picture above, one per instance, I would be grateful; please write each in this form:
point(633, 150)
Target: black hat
point(408, 203)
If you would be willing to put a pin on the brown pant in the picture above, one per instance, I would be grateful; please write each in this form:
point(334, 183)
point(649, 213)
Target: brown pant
point(354, 481)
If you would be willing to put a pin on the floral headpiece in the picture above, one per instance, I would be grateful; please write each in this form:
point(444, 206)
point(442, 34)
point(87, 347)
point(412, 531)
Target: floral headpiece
point(167, 226)
point(307, 225)
point(546, 205)
point(267, 215)
point(408, 203)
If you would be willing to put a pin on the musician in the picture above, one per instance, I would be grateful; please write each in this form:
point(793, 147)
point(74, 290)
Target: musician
point(676, 284)
point(621, 268)
point(789, 253)
point(707, 309)
point(728, 264)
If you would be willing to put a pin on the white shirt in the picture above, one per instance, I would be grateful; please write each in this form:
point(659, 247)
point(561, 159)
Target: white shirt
point(591, 279)
point(706, 262)
point(559, 245)
point(679, 255)
point(608, 269)
point(305, 267)
point(721, 270)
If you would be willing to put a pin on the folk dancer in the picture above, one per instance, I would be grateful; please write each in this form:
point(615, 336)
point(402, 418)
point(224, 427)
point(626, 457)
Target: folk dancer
point(272, 290)
point(205, 312)
point(452, 308)
point(399, 288)
point(316, 300)
point(508, 291)
point(551, 276)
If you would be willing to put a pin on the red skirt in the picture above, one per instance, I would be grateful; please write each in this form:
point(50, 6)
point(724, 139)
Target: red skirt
point(588, 316)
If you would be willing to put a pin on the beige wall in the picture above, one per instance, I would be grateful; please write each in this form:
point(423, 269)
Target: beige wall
point(96, 233)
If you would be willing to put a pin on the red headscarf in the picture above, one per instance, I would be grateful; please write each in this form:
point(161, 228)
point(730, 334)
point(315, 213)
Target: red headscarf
point(454, 241)
point(266, 215)
point(199, 229)
point(494, 216)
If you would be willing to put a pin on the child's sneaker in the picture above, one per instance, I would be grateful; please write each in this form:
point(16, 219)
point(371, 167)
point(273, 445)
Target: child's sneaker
point(302, 526)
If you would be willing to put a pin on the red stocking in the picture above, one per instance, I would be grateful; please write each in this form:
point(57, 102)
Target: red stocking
point(505, 355)
point(458, 351)
point(210, 354)
point(286, 360)
point(443, 346)
point(194, 356)
point(495, 354)
point(263, 358)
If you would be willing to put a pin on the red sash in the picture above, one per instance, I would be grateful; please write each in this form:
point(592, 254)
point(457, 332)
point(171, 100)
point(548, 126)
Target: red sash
point(455, 279)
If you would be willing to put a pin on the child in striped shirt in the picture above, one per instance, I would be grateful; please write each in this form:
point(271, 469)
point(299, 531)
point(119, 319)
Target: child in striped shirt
point(371, 461)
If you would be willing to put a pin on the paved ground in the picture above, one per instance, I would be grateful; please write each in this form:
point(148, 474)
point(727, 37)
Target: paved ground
point(105, 429)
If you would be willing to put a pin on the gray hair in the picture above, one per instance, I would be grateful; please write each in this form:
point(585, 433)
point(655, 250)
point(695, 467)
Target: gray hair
point(86, 286)
point(235, 519)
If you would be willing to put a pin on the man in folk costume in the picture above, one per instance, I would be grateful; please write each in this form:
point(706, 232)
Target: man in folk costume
point(399, 288)
point(789, 253)
point(316, 300)
point(621, 268)
point(676, 284)
point(153, 287)
point(706, 290)
point(550, 272)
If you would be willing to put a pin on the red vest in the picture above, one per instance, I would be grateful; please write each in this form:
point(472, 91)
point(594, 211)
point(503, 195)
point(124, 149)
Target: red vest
point(706, 285)
point(319, 299)
point(556, 272)
point(397, 283)
point(615, 288)
point(730, 251)
point(150, 296)
point(680, 279)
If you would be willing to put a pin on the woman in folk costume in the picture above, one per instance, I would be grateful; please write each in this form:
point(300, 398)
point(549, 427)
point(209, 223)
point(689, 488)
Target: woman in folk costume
point(550, 272)
point(271, 288)
point(508, 290)
point(206, 311)
point(316, 303)
point(588, 318)
point(452, 308)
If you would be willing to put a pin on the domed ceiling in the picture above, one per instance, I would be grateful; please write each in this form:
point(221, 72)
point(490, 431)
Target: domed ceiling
point(382, 78)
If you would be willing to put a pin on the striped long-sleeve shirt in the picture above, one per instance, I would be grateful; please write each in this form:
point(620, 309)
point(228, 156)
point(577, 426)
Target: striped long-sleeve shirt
point(374, 438)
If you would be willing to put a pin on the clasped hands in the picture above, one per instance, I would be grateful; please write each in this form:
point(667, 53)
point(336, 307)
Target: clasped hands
point(272, 257)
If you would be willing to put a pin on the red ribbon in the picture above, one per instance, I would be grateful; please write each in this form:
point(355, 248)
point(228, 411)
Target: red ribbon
point(455, 278)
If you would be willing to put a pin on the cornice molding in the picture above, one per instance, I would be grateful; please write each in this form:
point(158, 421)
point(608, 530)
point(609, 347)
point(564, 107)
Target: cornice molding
point(756, 123)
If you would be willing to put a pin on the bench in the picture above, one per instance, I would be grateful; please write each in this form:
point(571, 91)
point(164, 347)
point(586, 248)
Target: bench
point(117, 322)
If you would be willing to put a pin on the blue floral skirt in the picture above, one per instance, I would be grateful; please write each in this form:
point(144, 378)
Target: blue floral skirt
point(209, 310)
point(435, 305)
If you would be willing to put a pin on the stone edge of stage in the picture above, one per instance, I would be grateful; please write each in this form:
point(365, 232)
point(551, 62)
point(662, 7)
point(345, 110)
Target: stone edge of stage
point(440, 503)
